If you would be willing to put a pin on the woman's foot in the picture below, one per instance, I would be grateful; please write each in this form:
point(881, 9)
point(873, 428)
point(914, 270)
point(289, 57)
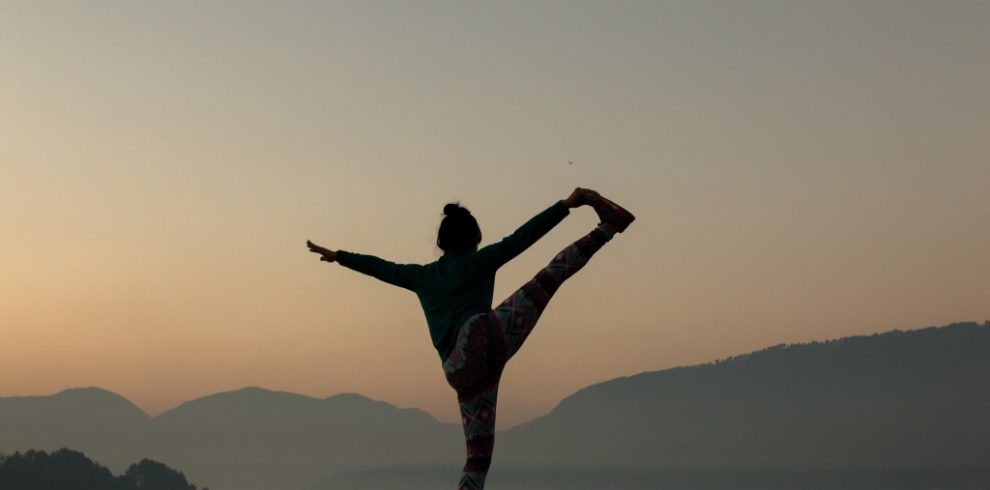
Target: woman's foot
point(610, 213)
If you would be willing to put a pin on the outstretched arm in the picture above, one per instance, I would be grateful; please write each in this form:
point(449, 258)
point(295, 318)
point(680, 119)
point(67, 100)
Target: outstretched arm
point(402, 275)
point(497, 254)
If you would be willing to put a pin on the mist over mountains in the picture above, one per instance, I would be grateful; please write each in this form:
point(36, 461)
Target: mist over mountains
point(884, 406)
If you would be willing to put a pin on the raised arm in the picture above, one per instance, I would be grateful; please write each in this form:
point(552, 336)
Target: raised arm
point(497, 254)
point(402, 275)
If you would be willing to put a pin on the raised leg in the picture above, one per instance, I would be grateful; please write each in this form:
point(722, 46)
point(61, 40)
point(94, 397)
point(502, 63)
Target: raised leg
point(517, 315)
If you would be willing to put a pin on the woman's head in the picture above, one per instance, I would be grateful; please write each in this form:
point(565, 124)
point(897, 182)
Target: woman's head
point(459, 231)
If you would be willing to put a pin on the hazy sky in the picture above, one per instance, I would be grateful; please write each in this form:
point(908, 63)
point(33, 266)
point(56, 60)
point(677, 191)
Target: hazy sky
point(800, 170)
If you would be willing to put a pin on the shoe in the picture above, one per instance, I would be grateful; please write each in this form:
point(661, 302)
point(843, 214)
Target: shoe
point(609, 212)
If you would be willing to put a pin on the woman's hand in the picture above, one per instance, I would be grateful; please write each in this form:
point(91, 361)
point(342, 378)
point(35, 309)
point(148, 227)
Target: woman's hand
point(327, 255)
point(577, 197)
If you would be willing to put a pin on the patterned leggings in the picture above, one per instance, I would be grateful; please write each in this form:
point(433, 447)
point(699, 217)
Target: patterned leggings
point(488, 340)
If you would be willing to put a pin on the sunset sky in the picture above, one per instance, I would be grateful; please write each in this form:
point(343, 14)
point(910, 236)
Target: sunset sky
point(800, 170)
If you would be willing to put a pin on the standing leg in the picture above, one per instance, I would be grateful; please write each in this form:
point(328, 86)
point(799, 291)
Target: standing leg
point(473, 369)
point(478, 418)
point(517, 315)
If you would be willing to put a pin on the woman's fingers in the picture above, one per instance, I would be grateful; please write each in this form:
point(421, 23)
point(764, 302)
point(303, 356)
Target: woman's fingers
point(315, 248)
point(327, 254)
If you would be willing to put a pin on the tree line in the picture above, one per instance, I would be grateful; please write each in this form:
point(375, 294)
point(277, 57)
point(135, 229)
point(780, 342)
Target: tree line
point(66, 469)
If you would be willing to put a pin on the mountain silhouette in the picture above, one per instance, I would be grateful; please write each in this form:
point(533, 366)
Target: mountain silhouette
point(907, 407)
point(285, 440)
point(95, 419)
point(898, 400)
point(246, 439)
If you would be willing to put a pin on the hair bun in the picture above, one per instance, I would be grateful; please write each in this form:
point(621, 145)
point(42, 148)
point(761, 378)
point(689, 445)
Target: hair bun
point(455, 209)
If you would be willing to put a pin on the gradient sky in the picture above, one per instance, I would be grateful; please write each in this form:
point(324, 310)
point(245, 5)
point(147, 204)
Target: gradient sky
point(800, 170)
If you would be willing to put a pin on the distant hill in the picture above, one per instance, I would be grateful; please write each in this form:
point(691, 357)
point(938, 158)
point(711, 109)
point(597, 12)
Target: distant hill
point(284, 440)
point(246, 439)
point(92, 419)
point(898, 400)
point(71, 470)
point(896, 403)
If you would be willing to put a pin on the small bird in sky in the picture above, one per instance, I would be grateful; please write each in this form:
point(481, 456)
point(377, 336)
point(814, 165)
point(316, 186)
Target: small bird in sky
point(570, 162)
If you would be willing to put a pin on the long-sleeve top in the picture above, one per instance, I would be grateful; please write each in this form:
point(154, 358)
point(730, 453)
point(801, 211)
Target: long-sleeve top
point(457, 286)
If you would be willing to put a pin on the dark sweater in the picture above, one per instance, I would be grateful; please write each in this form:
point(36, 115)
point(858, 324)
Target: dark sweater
point(457, 286)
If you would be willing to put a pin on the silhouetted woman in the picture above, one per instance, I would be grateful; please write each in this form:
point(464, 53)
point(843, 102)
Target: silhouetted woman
point(473, 339)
